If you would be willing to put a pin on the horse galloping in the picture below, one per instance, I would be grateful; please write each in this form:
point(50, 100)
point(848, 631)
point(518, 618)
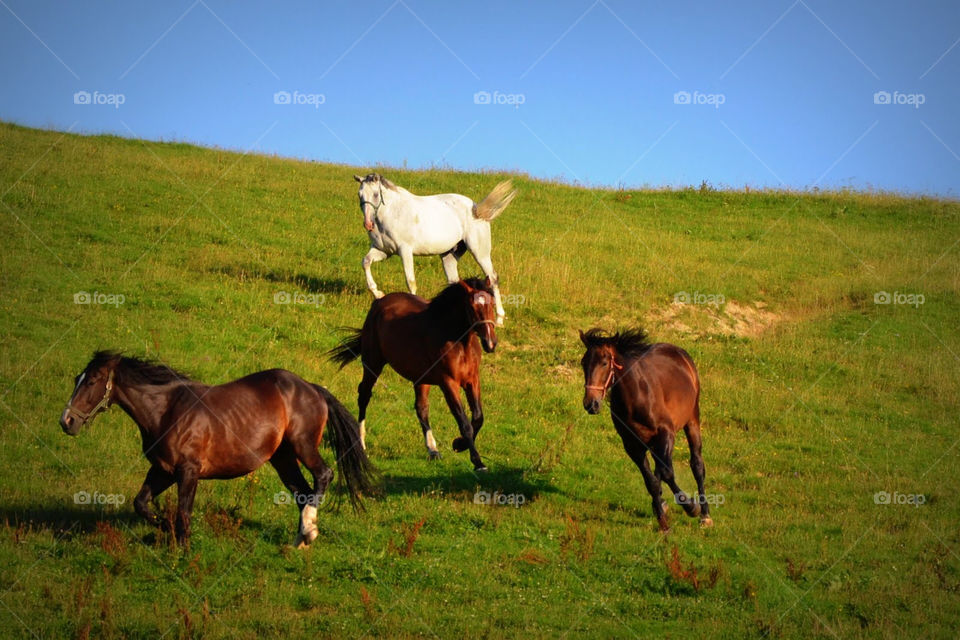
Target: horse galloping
point(654, 391)
point(429, 343)
point(448, 225)
point(192, 431)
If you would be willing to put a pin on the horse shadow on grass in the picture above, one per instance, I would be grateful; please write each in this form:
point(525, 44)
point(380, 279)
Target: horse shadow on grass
point(302, 282)
point(498, 485)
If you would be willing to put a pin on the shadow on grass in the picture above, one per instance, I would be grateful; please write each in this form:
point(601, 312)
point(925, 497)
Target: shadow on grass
point(504, 480)
point(304, 283)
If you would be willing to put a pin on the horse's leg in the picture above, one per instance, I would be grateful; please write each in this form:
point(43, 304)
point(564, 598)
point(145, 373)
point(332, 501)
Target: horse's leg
point(305, 447)
point(451, 393)
point(696, 465)
point(422, 405)
point(374, 255)
point(487, 265)
point(450, 260)
point(187, 476)
point(406, 257)
point(637, 450)
point(662, 452)
point(157, 482)
point(284, 462)
point(472, 389)
point(371, 371)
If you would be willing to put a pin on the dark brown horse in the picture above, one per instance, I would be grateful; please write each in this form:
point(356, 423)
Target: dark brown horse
point(654, 391)
point(192, 431)
point(429, 343)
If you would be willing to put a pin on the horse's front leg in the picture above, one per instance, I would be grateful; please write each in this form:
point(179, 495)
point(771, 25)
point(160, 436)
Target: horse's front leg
point(374, 255)
point(406, 256)
point(156, 482)
point(451, 393)
point(187, 477)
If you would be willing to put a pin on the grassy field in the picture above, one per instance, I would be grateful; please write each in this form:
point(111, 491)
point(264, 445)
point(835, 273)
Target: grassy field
point(819, 406)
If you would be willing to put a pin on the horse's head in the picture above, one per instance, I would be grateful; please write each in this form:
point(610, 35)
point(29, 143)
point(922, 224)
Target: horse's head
point(92, 393)
point(371, 196)
point(482, 311)
point(600, 366)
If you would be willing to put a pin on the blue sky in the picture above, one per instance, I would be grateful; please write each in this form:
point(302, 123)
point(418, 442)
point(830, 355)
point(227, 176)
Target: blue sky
point(606, 92)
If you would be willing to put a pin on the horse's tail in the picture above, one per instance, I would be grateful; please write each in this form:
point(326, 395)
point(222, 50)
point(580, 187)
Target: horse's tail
point(495, 202)
point(348, 350)
point(354, 469)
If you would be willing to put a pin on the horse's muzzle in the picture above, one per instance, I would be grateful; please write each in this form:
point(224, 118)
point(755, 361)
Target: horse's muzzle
point(591, 405)
point(489, 345)
point(70, 423)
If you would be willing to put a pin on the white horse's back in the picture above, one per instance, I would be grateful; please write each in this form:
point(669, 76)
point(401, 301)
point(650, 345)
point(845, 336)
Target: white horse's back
point(400, 222)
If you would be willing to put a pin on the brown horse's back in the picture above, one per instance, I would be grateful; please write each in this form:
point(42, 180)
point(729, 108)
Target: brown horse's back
point(667, 380)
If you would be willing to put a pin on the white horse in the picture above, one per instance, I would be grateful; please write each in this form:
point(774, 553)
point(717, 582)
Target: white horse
point(447, 225)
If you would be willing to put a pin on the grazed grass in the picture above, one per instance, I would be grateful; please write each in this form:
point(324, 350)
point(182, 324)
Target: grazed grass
point(805, 418)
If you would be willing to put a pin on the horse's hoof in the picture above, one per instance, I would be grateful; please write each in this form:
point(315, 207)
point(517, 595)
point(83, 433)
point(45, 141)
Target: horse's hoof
point(694, 511)
point(500, 320)
point(481, 469)
point(434, 455)
point(706, 522)
point(378, 294)
point(664, 505)
point(460, 444)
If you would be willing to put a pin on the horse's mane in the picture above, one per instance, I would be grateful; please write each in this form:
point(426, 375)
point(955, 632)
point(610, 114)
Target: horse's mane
point(454, 294)
point(629, 343)
point(376, 177)
point(132, 370)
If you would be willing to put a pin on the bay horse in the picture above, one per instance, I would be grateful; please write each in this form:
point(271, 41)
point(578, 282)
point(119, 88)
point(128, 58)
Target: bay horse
point(436, 342)
point(654, 391)
point(192, 431)
point(447, 224)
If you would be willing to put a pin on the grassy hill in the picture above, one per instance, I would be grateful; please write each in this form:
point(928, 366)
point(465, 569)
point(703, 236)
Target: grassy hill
point(816, 400)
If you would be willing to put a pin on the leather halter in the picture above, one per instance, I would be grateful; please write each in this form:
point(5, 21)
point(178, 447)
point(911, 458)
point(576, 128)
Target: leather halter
point(614, 367)
point(103, 404)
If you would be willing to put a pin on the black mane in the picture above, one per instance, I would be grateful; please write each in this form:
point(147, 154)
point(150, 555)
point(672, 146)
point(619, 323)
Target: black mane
point(452, 305)
point(132, 370)
point(629, 343)
point(454, 294)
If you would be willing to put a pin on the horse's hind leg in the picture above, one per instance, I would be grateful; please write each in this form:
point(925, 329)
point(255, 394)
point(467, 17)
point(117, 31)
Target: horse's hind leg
point(662, 452)
point(422, 405)
point(284, 461)
point(696, 466)
point(449, 260)
point(305, 448)
point(374, 255)
point(479, 244)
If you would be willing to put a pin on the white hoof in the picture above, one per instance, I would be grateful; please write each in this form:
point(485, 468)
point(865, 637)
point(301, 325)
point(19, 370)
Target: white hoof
point(500, 320)
point(378, 294)
point(308, 526)
point(706, 522)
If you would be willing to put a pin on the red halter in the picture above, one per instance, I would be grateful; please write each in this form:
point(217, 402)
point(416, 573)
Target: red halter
point(614, 367)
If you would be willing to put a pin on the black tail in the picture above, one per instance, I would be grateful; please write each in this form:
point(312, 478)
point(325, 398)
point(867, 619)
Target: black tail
point(348, 350)
point(354, 469)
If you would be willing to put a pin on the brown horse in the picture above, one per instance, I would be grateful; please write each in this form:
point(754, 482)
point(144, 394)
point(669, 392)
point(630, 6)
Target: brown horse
point(192, 432)
point(654, 392)
point(429, 343)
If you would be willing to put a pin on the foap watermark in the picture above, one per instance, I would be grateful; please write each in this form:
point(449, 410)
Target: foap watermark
point(710, 499)
point(710, 99)
point(910, 299)
point(500, 98)
point(297, 98)
point(111, 299)
point(499, 499)
point(99, 499)
point(298, 297)
point(97, 98)
point(907, 499)
point(513, 300)
point(685, 297)
point(301, 499)
point(909, 99)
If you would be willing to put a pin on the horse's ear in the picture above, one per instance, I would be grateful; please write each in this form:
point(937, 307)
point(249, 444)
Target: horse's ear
point(583, 338)
point(357, 178)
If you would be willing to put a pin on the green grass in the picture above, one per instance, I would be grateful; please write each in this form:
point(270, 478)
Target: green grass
point(818, 400)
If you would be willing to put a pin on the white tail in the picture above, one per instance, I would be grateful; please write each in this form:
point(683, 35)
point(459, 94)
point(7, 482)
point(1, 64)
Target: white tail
point(495, 202)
